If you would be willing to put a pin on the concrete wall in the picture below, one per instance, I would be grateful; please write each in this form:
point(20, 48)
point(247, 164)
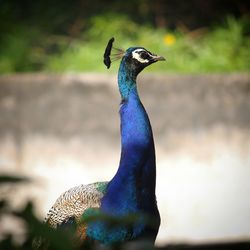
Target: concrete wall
point(63, 130)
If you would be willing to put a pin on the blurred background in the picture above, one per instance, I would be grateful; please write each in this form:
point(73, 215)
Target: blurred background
point(61, 36)
point(59, 122)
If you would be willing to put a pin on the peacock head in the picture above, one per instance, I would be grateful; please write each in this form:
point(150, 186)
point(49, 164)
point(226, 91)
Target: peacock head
point(134, 59)
point(138, 58)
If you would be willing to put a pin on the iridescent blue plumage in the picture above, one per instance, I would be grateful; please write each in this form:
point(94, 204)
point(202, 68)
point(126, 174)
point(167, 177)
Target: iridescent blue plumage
point(132, 190)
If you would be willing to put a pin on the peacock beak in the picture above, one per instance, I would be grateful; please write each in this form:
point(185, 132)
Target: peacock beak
point(158, 58)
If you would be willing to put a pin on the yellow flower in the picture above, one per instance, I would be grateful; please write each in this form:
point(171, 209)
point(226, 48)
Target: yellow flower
point(169, 39)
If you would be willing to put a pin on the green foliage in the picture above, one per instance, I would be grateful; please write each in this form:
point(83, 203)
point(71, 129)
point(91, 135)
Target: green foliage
point(224, 48)
point(25, 49)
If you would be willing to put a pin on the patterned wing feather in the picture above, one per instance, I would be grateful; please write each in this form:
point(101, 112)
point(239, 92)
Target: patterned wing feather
point(74, 202)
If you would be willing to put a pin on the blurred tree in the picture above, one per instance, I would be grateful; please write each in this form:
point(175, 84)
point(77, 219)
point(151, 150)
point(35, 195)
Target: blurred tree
point(67, 17)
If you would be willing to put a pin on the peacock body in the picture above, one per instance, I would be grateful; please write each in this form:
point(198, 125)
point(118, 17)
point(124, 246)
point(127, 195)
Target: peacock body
point(132, 190)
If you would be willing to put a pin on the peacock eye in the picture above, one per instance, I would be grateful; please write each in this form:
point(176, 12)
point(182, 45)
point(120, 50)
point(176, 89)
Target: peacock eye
point(144, 55)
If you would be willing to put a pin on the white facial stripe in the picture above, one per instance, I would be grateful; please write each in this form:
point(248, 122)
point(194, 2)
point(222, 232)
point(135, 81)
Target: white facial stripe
point(136, 56)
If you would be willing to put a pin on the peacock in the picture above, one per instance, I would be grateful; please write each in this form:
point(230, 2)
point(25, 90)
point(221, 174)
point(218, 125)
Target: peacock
point(132, 189)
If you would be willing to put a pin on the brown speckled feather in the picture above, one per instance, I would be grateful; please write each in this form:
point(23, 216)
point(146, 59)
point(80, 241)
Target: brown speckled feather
point(74, 202)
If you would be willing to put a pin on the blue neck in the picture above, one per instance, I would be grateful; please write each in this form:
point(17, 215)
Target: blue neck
point(126, 80)
point(132, 189)
point(134, 183)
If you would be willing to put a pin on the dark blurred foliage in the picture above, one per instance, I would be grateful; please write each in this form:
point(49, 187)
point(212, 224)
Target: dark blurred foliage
point(70, 17)
point(195, 14)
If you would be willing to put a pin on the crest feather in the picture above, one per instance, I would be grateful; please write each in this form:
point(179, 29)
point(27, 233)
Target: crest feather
point(108, 57)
